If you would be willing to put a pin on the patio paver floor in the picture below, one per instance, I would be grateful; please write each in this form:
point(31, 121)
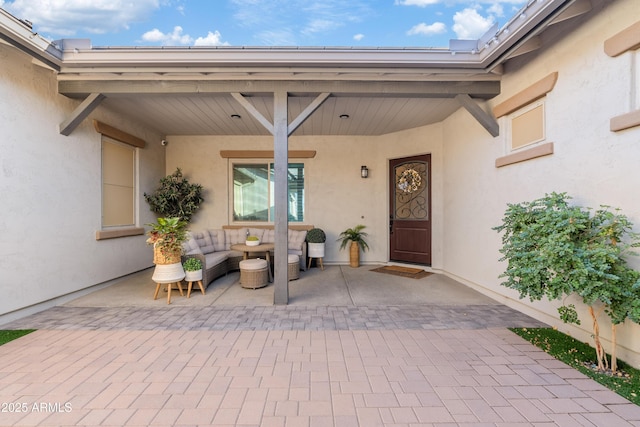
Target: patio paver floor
point(297, 365)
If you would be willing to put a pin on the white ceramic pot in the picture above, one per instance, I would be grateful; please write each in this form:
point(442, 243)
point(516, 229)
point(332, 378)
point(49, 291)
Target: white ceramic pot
point(193, 276)
point(252, 242)
point(316, 250)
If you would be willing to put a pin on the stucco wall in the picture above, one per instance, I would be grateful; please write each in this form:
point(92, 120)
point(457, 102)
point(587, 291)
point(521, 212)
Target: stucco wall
point(50, 188)
point(591, 163)
point(337, 198)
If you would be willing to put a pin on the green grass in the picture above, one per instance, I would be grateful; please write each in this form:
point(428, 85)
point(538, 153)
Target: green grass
point(581, 356)
point(6, 336)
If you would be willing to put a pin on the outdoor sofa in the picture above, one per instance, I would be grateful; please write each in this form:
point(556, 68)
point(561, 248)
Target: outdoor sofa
point(213, 247)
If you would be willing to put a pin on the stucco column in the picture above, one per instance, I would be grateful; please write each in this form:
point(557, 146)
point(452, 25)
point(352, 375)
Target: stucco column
point(281, 223)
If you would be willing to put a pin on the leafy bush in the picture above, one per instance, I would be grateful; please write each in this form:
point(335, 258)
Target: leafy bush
point(176, 197)
point(192, 264)
point(554, 250)
point(168, 234)
point(316, 235)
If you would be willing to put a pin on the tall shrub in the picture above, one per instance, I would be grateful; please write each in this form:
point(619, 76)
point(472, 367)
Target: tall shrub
point(175, 197)
point(554, 249)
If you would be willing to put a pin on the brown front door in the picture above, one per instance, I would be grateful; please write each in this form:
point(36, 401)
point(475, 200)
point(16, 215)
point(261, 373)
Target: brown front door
point(410, 209)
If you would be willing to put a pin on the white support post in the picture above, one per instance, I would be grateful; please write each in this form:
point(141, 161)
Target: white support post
point(281, 223)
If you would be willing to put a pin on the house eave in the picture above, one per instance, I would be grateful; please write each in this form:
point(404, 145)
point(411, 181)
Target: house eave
point(18, 34)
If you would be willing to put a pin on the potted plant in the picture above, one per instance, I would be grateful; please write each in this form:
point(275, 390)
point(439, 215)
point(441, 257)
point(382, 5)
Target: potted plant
point(315, 243)
point(356, 236)
point(167, 236)
point(175, 197)
point(192, 269)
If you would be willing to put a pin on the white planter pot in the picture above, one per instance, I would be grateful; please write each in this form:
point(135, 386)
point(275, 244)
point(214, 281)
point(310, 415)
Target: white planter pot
point(168, 273)
point(316, 250)
point(252, 242)
point(193, 276)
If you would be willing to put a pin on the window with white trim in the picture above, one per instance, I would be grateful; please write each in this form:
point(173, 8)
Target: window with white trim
point(526, 126)
point(253, 189)
point(118, 184)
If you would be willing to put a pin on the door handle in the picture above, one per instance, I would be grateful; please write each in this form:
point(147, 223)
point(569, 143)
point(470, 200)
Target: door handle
point(390, 224)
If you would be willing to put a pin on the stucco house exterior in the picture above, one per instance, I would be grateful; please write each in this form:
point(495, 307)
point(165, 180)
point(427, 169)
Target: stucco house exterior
point(548, 102)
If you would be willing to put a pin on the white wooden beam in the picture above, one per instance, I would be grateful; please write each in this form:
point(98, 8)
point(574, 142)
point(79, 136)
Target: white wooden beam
point(412, 89)
point(304, 115)
point(484, 118)
point(80, 113)
point(253, 111)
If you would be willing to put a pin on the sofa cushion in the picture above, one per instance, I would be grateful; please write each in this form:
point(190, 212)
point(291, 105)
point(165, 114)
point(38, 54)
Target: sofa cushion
point(296, 239)
point(269, 236)
point(190, 247)
point(233, 236)
point(203, 239)
point(214, 258)
point(217, 237)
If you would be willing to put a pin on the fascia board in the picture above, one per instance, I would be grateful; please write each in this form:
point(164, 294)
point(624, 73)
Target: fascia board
point(20, 36)
point(265, 57)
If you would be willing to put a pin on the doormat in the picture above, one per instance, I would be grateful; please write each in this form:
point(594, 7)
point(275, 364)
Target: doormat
point(396, 270)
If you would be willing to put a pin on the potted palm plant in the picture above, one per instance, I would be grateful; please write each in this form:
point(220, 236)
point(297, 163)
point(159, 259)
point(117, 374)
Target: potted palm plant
point(356, 236)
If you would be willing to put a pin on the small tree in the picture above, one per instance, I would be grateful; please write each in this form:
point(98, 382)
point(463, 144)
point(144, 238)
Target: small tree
point(175, 197)
point(554, 249)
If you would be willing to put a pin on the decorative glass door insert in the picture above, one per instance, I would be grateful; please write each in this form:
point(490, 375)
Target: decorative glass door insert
point(411, 199)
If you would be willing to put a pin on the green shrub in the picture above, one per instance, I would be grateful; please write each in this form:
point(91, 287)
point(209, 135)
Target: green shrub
point(316, 235)
point(192, 264)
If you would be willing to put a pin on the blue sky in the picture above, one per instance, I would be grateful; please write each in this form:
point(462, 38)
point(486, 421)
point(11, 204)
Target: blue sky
point(359, 23)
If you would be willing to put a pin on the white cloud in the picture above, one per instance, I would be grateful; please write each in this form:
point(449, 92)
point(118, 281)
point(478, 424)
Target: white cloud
point(427, 30)
point(285, 22)
point(358, 37)
point(66, 17)
point(469, 24)
point(425, 3)
point(496, 9)
point(174, 38)
point(419, 3)
point(212, 39)
point(178, 38)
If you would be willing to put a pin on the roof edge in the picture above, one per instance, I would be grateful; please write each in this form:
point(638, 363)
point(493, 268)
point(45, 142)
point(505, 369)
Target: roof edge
point(18, 33)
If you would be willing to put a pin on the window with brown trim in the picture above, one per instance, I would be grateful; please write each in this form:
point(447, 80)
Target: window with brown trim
point(118, 184)
point(527, 126)
point(627, 42)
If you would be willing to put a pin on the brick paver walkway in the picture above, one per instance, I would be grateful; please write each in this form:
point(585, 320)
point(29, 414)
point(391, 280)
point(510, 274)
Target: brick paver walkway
point(342, 366)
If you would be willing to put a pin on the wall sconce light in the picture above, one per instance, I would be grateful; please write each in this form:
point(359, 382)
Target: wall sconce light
point(364, 172)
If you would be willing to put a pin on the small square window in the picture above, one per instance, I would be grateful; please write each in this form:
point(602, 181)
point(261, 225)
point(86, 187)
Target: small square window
point(526, 126)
